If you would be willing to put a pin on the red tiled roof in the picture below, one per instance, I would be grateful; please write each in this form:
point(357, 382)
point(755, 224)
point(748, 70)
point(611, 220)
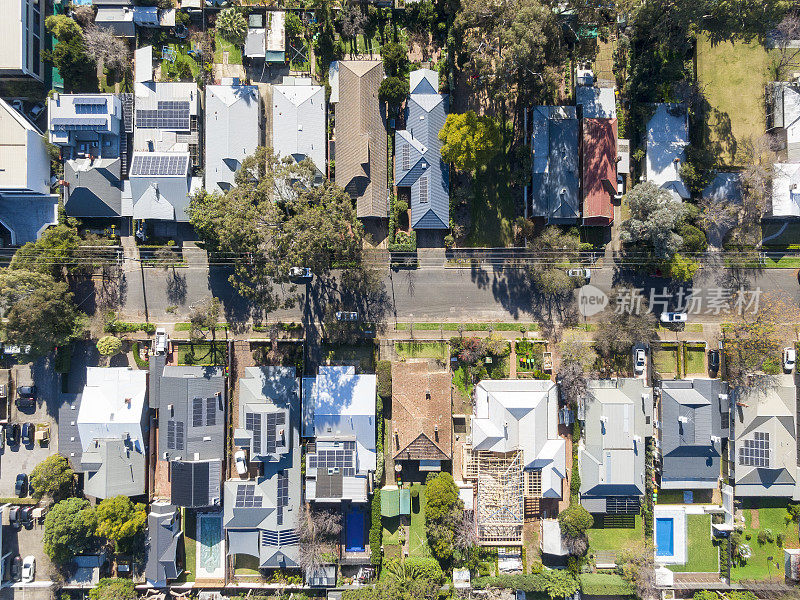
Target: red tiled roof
point(599, 163)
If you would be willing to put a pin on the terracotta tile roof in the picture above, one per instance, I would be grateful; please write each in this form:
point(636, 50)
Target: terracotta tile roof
point(421, 413)
point(599, 164)
point(361, 139)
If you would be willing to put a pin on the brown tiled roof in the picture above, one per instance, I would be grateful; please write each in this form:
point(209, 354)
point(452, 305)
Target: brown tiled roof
point(421, 413)
point(361, 142)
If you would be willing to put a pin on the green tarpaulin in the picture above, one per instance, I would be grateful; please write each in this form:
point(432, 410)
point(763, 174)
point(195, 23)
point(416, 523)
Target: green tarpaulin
point(395, 502)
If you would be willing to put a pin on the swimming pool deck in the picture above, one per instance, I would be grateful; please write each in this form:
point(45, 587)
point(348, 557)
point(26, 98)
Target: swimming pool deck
point(210, 547)
point(679, 532)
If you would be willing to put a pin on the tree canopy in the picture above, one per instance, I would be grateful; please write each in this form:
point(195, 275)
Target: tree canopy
point(232, 25)
point(469, 141)
point(120, 521)
point(52, 478)
point(68, 529)
point(393, 91)
point(395, 59)
point(443, 515)
point(113, 589)
point(558, 252)
point(109, 345)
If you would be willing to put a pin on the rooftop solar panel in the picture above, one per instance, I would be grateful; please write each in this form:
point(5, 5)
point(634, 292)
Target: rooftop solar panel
point(252, 422)
point(197, 412)
point(179, 435)
point(89, 100)
point(211, 411)
point(171, 435)
point(246, 496)
point(170, 114)
point(153, 165)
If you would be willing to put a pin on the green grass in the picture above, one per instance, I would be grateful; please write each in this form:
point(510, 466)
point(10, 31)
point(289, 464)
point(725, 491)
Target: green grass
point(769, 517)
point(418, 542)
point(362, 356)
point(530, 350)
point(467, 326)
point(492, 206)
point(204, 353)
point(702, 554)
point(694, 359)
point(391, 530)
point(732, 76)
point(789, 235)
point(421, 350)
point(676, 497)
point(615, 539)
point(190, 544)
point(784, 262)
point(666, 360)
point(188, 327)
point(234, 52)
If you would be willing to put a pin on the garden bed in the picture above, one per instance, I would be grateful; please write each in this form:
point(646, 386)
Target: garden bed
point(530, 355)
point(361, 355)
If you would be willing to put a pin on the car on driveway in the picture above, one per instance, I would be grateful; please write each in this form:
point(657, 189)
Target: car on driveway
point(300, 273)
point(639, 360)
point(27, 391)
point(28, 433)
point(346, 316)
point(713, 361)
point(16, 567)
point(674, 317)
point(12, 434)
point(21, 485)
point(241, 462)
point(161, 341)
point(580, 273)
point(28, 569)
point(26, 516)
point(789, 359)
point(13, 516)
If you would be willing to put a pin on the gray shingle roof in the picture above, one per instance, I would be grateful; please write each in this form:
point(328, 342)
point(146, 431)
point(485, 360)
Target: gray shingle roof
point(418, 162)
point(27, 214)
point(95, 188)
point(554, 193)
point(113, 468)
point(690, 415)
point(163, 534)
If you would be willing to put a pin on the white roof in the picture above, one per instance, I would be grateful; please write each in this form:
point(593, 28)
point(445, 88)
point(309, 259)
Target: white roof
point(143, 64)
point(276, 33)
point(232, 132)
point(298, 117)
point(112, 405)
point(13, 35)
point(597, 102)
point(23, 153)
point(786, 190)
point(552, 543)
point(667, 138)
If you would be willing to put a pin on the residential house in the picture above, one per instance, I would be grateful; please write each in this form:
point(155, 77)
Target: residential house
point(361, 142)
point(618, 420)
point(421, 416)
point(164, 536)
point(266, 36)
point(785, 190)
point(233, 129)
point(783, 117)
point(418, 166)
point(190, 404)
point(102, 432)
point(339, 413)
point(555, 174)
point(298, 121)
point(261, 512)
point(90, 130)
point(165, 147)
point(22, 39)
point(667, 138)
point(765, 446)
point(693, 429)
point(118, 18)
point(517, 456)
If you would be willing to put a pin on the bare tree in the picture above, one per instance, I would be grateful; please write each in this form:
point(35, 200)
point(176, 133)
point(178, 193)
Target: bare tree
point(204, 315)
point(466, 533)
point(785, 37)
point(106, 49)
point(318, 532)
point(638, 568)
point(84, 15)
point(353, 20)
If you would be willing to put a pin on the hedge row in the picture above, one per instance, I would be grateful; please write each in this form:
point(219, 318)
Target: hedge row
point(376, 530)
point(123, 327)
point(384, 372)
point(555, 583)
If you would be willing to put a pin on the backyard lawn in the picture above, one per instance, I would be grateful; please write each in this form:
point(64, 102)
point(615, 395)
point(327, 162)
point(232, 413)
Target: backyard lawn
point(772, 518)
point(362, 356)
point(189, 534)
point(492, 207)
point(665, 360)
point(221, 46)
point(418, 541)
point(615, 539)
point(732, 76)
point(421, 350)
point(694, 359)
point(201, 353)
point(702, 554)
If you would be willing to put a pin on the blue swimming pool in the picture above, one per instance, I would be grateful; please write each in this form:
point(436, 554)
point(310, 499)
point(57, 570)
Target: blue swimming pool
point(354, 531)
point(665, 538)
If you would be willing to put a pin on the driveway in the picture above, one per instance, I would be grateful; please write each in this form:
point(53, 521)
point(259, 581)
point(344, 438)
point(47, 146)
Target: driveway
point(29, 542)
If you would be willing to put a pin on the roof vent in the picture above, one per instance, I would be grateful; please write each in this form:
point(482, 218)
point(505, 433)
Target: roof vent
point(723, 397)
point(683, 419)
point(715, 439)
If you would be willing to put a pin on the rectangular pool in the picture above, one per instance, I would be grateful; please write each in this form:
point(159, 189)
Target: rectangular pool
point(665, 539)
point(354, 531)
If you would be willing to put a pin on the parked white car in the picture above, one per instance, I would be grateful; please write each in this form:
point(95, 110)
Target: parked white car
point(789, 359)
point(674, 317)
point(28, 569)
point(639, 361)
point(346, 316)
point(581, 273)
point(241, 462)
point(161, 341)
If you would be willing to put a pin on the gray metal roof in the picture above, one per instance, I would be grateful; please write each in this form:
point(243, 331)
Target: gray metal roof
point(163, 534)
point(555, 178)
point(27, 214)
point(612, 459)
point(418, 152)
point(196, 483)
point(112, 467)
point(94, 187)
point(266, 398)
point(298, 121)
point(690, 415)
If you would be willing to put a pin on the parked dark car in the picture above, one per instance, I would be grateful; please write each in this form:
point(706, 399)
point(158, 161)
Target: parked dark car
point(21, 486)
point(28, 433)
point(12, 434)
point(13, 516)
point(713, 361)
point(16, 567)
point(26, 516)
point(26, 391)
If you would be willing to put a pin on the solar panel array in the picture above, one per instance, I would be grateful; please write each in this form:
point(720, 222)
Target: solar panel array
point(252, 422)
point(152, 165)
point(246, 496)
point(211, 411)
point(333, 459)
point(175, 435)
point(423, 190)
point(287, 537)
point(197, 412)
point(755, 452)
point(273, 420)
point(170, 114)
point(406, 158)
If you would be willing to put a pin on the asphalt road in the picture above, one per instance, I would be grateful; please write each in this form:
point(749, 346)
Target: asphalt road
point(453, 294)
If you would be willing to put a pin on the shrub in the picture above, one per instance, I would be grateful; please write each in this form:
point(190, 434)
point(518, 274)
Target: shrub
point(575, 520)
point(705, 595)
point(109, 345)
point(401, 206)
point(384, 372)
point(762, 537)
point(415, 493)
point(115, 326)
point(375, 530)
point(779, 540)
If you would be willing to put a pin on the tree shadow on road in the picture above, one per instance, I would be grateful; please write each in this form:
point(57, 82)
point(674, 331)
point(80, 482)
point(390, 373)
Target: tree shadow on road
point(176, 288)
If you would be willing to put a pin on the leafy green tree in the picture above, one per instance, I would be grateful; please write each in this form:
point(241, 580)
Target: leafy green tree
point(120, 521)
point(294, 26)
point(443, 515)
point(654, 219)
point(393, 91)
point(396, 589)
point(52, 478)
point(682, 268)
point(395, 59)
point(74, 65)
point(469, 141)
point(561, 252)
point(68, 530)
point(39, 311)
point(232, 26)
point(204, 316)
point(109, 345)
point(113, 589)
point(619, 328)
point(705, 595)
point(62, 27)
point(575, 520)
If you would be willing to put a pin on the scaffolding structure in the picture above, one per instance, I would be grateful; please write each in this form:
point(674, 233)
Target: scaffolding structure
point(500, 513)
